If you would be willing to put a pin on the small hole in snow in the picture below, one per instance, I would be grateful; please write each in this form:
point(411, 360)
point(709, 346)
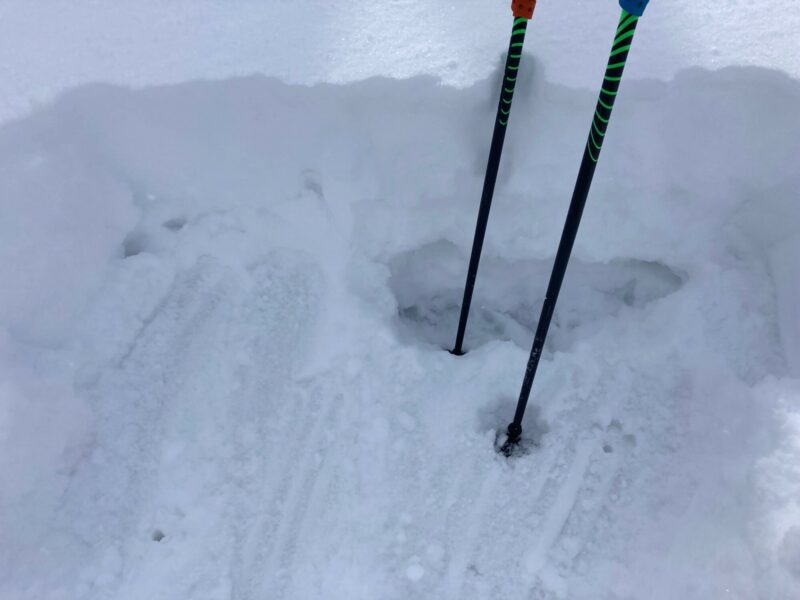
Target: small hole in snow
point(312, 182)
point(158, 535)
point(134, 243)
point(175, 224)
point(607, 448)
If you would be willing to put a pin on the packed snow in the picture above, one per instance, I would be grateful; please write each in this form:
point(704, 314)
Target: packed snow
point(225, 304)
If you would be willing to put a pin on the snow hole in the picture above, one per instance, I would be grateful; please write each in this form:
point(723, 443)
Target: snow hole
point(428, 285)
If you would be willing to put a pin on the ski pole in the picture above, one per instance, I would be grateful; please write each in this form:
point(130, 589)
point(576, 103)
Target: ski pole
point(631, 11)
point(523, 12)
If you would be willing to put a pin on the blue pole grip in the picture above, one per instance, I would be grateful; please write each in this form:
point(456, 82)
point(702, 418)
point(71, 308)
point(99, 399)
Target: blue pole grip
point(634, 7)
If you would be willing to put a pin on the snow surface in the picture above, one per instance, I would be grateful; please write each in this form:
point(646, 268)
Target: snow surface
point(53, 44)
point(223, 308)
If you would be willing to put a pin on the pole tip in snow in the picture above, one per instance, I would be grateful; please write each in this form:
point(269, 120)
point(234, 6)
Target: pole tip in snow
point(457, 352)
point(514, 433)
point(513, 437)
point(523, 9)
point(634, 7)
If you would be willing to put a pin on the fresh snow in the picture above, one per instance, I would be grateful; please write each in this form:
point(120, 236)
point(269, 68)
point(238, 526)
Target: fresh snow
point(224, 305)
point(53, 44)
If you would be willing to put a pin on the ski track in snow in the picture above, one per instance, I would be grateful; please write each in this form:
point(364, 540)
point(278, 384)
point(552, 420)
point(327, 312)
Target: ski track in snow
point(214, 353)
point(273, 417)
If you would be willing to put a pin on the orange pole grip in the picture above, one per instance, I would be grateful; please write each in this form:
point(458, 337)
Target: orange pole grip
point(523, 8)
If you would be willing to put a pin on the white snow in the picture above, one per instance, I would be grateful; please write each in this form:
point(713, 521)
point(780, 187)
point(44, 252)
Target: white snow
point(56, 44)
point(224, 305)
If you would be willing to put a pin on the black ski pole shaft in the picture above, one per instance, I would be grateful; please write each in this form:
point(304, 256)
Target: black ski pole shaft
point(605, 103)
point(523, 11)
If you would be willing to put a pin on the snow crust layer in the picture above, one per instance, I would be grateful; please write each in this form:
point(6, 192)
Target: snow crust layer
point(223, 307)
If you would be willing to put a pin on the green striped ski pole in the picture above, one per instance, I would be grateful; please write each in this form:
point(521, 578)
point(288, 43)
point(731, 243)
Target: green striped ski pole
point(602, 114)
point(523, 11)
